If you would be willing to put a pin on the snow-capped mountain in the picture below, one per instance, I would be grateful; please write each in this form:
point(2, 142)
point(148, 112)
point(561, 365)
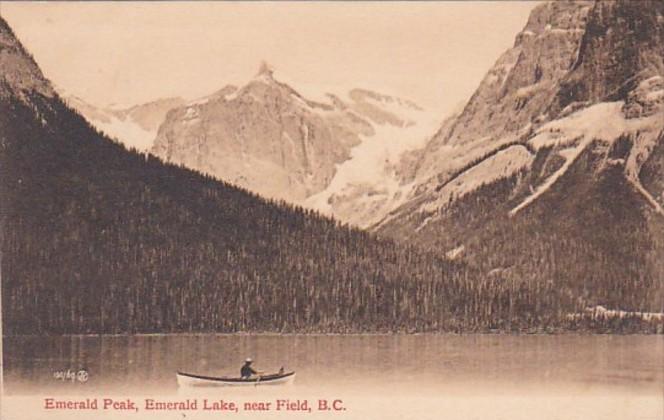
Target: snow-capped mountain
point(555, 167)
point(134, 126)
point(336, 154)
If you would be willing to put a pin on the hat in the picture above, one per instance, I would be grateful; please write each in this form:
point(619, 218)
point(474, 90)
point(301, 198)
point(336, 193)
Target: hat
point(248, 360)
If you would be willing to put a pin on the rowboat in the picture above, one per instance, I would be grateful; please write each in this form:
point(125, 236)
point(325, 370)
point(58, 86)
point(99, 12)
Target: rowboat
point(190, 379)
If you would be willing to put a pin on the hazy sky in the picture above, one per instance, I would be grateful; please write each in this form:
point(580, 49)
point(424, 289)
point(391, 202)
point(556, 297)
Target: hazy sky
point(434, 53)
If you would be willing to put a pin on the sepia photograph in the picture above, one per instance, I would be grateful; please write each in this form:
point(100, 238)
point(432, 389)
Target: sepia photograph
point(332, 210)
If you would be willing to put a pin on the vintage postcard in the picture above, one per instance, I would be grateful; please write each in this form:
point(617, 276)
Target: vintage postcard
point(332, 210)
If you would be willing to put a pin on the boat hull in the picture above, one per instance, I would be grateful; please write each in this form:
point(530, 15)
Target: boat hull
point(192, 380)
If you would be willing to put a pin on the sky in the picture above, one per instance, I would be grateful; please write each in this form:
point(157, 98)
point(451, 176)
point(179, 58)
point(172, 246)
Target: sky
point(125, 53)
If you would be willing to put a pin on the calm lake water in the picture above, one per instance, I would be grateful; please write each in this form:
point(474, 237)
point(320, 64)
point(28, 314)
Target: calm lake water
point(376, 376)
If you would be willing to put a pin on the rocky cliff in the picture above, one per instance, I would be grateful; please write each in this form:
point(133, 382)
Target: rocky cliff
point(514, 95)
point(553, 168)
point(621, 58)
point(19, 73)
point(267, 137)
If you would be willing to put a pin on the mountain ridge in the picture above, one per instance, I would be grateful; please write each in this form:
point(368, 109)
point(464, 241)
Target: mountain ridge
point(597, 139)
point(269, 138)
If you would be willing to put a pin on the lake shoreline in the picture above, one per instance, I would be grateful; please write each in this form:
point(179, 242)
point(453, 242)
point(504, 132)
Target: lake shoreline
point(350, 334)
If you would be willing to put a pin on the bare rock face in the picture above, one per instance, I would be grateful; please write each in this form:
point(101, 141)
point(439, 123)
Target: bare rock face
point(515, 93)
point(20, 73)
point(264, 136)
point(554, 168)
point(621, 57)
point(519, 87)
point(268, 138)
point(569, 57)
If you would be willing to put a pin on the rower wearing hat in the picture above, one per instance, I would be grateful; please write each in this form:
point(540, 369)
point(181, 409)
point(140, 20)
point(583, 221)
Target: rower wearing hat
point(247, 371)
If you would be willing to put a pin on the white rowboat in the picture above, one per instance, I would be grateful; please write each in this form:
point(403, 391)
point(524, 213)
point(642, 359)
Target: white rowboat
point(189, 379)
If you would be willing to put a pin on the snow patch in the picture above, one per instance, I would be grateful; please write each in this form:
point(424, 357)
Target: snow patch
point(501, 165)
point(370, 170)
point(603, 122)
point(570, 156)
point(199, 101)
point(455, 253)
point(190, 113)
point(128, 132)
point(650, 81)
point(528, 90)
point(600, 312)
point(566, 31)
point(388, 103)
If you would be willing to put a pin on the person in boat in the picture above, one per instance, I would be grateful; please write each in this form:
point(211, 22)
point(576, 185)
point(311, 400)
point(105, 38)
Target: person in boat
point(247, 371)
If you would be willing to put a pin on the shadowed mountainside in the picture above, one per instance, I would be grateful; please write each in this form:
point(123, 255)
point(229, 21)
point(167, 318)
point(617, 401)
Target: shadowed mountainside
point(552, 172)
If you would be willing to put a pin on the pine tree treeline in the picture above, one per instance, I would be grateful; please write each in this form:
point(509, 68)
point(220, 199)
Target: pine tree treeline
point(97, 239)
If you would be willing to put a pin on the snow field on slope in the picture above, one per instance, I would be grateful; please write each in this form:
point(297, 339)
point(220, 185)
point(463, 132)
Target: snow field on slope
point(128, 132)
point(371, 165)
point(604, 122)
point(501, 165)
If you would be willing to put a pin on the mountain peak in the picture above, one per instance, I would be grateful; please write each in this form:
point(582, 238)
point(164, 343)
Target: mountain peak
point(20, 73)
point(265, 70)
